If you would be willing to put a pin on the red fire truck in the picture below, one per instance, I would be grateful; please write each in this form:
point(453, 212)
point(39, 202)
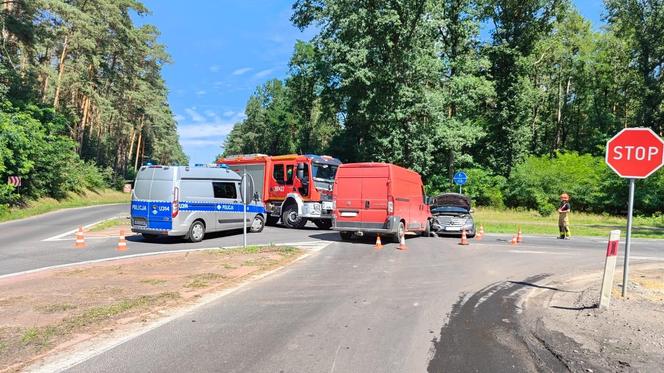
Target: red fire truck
point(295, 188)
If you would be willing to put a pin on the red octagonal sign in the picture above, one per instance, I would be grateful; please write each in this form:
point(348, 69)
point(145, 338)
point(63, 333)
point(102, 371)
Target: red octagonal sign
point(635, 153)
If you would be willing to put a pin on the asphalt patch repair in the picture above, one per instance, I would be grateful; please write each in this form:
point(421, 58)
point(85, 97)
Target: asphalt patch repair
point(47, 312)
point(524, 326)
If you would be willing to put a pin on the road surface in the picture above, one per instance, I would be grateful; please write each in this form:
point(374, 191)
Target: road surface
point(349, 308)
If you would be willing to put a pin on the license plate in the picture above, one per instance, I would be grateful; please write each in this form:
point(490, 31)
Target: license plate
point(327, 205)
point(140, 221)
point(452, 229)
point(348, 214)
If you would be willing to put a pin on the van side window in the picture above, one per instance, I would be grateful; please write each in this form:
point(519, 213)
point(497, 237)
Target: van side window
point(289, 174)
point(278, 173)
point(224, 190)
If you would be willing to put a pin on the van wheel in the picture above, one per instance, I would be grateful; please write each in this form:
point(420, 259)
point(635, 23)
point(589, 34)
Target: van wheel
point(257, 225)
point(272, 220)
point(427, 229)
point(323, 223)
point(346, 236)
point(400, 232)
point(196, 231)
point(291, 219)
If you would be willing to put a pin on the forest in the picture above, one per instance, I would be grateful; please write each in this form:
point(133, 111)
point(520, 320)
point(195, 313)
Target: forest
point(82, 99)
point(522, 95)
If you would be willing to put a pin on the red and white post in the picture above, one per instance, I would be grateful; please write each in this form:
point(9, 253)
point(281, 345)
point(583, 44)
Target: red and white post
point(609, 269)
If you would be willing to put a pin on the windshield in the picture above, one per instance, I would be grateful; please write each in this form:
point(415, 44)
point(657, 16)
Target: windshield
point(448, 209)
point(324, 172)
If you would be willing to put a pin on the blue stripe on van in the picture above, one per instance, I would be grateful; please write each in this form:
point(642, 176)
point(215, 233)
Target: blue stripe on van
point(158, 213)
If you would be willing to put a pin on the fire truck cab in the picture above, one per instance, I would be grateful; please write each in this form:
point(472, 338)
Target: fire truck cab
point(295, 188)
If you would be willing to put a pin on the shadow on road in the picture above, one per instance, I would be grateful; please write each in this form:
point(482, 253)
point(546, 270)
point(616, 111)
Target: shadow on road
point(576, 308)
point(540, 286)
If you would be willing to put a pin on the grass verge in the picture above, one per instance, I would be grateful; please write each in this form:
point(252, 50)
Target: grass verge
point(582, 224)
point(44, 205)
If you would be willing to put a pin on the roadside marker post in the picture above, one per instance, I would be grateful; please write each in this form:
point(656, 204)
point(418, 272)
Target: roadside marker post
point(633, 153)
point(609, 269)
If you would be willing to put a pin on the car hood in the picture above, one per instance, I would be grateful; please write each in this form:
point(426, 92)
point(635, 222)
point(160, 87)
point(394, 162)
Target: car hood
point(451, 199)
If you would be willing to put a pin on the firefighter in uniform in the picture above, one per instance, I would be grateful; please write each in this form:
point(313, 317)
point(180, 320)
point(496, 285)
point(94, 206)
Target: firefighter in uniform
point(563, 216)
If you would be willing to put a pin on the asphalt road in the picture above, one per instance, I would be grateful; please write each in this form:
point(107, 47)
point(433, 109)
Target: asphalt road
point(346, 308)
point(349, 308)
point(23, 246)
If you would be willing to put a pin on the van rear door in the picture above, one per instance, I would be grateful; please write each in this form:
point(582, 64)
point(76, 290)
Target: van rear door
point(374, 201)
point(153, 197)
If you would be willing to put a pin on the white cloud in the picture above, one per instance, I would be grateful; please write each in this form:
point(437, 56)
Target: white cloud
point(228, 113)
point(215, 68)
point(242, 70)
point(204, 130)
point(194, 115)
point(178, 117)
point(194, 142)
point(201, 92)
point(263, 73)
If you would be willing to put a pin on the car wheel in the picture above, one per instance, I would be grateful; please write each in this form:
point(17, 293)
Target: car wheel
point(257, 225)
point(291, 219)
point(149, 237)
point(196, 231)
point(323, 223)
point(346, 236)
point(400, 232)
point(272, 220)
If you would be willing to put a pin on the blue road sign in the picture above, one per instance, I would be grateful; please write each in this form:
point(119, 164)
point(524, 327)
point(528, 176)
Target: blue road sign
point(460, 178)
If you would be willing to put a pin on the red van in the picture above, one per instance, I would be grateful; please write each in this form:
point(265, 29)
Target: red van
point(379, 198)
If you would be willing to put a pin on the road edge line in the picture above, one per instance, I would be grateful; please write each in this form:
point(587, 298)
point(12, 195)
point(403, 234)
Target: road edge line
point(61, 363)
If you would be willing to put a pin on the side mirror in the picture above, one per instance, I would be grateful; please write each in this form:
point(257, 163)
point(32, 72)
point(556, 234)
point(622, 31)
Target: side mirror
point(300, 173)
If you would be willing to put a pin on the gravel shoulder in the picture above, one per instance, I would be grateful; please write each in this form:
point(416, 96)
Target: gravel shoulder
point(49, 312)
point(563, 318)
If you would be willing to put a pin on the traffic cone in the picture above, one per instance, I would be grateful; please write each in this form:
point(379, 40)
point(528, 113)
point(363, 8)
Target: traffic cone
point(480, 233)
point(513, 241)
point(402, 243)
point(379, 245)
point(122, 244)
point(519, 237)
point(80, 239)
point(464, 239)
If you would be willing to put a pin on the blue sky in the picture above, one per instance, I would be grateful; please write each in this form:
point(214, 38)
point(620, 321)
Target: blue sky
point(221, 51)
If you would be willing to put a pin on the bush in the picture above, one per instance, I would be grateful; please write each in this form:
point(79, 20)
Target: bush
point(482, 187)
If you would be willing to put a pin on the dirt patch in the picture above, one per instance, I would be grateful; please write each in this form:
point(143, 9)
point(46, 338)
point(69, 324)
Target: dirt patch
point(42, 311)
point(627, 337)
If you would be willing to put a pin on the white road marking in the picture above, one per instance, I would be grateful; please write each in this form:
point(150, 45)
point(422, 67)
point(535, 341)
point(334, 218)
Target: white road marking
point(59, 236)
point(310, 246)
point(98, 345)
point(539, 252)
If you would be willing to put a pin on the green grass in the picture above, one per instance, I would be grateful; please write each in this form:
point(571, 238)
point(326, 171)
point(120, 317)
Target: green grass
point(110, 223)
point(201, 280)
point(45, 205)
point(154, 281)
point(55, 308)
point(582, 224)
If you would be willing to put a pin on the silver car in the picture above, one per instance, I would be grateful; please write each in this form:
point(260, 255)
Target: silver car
point(191, 201)
point(451, 215)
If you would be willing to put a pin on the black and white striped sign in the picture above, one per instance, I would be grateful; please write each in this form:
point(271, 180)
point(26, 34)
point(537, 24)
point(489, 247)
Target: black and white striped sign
point(14, 180)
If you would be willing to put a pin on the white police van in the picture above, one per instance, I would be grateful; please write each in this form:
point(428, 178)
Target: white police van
point(190, 201)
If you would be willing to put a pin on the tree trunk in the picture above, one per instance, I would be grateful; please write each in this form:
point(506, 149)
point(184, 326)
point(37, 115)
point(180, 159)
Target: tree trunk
point(61, 69)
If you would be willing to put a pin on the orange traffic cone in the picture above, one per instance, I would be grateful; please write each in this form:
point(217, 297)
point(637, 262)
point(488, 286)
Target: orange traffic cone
point(122, 244)
point(519, 237)
point(402, 243)
point(80, 239)
point(480, 233)
point(464, 239)
point(513, 241)
point(379, 244)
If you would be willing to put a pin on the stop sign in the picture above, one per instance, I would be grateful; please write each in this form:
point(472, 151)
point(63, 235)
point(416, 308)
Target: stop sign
point(635, 153)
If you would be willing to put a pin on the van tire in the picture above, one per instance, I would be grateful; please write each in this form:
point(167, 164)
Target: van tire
point(401, 231)
point(291, 219)
point(196, 231)
point(346, 236)
point(323, 223)
point(272, 220)
point(427, 229)
point(257, 225)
